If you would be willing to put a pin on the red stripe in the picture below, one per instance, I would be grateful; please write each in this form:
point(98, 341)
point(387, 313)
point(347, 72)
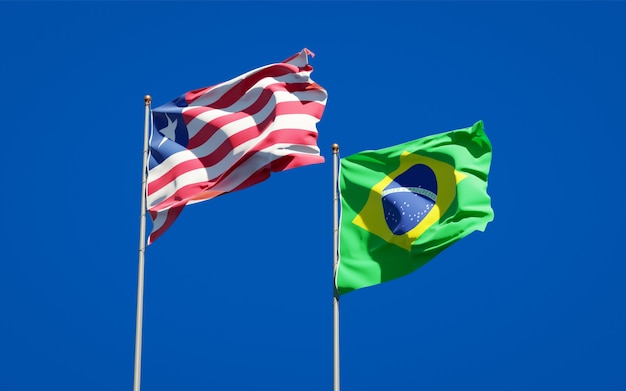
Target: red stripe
point(291, 136)
point(155, 185)
point(185, 193)
point(294, 56)
point(305, 50)
point(314, 109)
point(266, 95)
point(182, 195)
point(172, 214)
point(281, 164)
point(286, 136)
point(260, 175)
point(243, 85)
point(175, 172)
point(213, 126)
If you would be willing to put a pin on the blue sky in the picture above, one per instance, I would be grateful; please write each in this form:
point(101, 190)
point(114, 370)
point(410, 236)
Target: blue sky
point(238, 292)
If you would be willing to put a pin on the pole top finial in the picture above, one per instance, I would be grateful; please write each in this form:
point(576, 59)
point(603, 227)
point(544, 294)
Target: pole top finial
point(335, 148)
point(147, 99)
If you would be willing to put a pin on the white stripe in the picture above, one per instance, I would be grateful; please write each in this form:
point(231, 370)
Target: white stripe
point(284, 121)
point(196, 124)
point(259, 160)
point(217, 91)
point(159, 220)
point(292, 121)
point(296, 121)
point(169, 163)
point(188, 178)
point(209, 116)
point(246, 100)
point(202, 175)
point(239, 175)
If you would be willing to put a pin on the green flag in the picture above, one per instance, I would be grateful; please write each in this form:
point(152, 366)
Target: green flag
point(403, 205)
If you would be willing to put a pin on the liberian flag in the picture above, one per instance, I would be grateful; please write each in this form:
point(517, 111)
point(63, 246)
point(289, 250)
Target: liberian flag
point(224, 138)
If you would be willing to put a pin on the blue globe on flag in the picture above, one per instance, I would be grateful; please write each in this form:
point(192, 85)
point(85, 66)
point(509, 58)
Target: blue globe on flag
point(409, 198)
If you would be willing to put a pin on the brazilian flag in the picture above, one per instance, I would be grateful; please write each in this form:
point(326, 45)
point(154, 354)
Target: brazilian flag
point(403, 205)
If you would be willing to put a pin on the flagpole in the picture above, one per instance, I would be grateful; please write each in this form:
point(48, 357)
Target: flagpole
point(142, 247)
point(336, 379)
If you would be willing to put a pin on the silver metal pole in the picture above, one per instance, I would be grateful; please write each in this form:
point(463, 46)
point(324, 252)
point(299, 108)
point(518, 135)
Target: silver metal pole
point(142, 247)
point(335, 262)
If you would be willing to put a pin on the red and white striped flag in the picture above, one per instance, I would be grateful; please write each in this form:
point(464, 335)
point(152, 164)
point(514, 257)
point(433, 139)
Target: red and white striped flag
point(231, 136)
